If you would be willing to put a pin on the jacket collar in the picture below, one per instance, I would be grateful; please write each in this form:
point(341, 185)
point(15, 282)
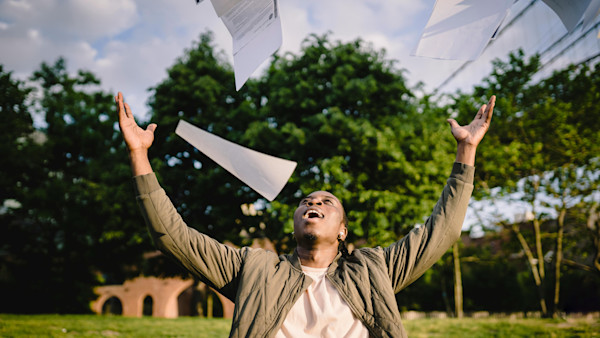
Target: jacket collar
point(295, 261)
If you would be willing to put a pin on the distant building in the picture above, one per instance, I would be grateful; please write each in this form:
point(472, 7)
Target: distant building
point(165, 297)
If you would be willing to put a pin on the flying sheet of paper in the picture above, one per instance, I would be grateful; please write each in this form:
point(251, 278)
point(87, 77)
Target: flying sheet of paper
point(460, 29)
point(591, 13)
point(224, 6)
point(255, 27)
point(264, 173)
point(570, 12)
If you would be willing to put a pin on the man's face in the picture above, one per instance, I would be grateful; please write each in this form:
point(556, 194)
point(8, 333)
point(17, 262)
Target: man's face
point(319, 218)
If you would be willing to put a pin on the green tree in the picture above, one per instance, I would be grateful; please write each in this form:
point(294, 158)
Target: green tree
point(16, 139)
point(516, 141)
point(18, 148)
point(539, 128)
point(78, 225)
point(342, 111)
point(15, 134)
point(200, 89)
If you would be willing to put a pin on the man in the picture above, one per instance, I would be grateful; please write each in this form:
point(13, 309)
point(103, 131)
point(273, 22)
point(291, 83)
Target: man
point(320, 290)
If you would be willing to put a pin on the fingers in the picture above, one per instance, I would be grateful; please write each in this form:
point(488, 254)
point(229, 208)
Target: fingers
point(123, 108)
point(453, 123)
point(480, 112)
point(128, 111)
point(490, 109)
point(152, 127)
point(120, 108)
point(486, 110)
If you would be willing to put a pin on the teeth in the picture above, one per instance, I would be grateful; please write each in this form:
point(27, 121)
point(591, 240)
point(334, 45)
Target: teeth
point(312, 213)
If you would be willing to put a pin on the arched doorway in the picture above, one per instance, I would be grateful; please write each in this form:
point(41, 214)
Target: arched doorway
point(165, 299)
point(112, 306)
point(186, 302)
point(148, 306)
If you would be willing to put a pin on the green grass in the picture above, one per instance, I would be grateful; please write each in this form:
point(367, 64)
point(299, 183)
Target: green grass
point(116, 326)
point(110, 326)
point(504, 327)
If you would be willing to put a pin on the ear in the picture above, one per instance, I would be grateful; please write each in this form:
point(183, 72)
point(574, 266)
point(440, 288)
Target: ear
point(343, 233)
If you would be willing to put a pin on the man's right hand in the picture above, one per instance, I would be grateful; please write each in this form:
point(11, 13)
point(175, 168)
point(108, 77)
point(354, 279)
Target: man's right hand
point(137, 139)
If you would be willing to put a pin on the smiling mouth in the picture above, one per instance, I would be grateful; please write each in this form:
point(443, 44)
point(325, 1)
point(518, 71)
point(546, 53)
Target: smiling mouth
point(312, 213)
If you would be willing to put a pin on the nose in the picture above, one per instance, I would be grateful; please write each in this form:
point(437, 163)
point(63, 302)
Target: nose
point(313, 201)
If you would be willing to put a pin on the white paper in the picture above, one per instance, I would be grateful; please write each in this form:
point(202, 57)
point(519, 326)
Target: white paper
point(264, 173)
point(591, 13)
point(255, 28)
point(460, 29)
point(224, 6)
point(570, 12)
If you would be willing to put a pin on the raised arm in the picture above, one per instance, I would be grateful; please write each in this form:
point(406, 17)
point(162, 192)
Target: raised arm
point(469, 136)
point(214, 263)
point(416, 252)
point(137, 139)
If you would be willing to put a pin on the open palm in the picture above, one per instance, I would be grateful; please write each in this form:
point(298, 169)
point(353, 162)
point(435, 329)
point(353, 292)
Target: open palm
point(135, 137)
point(473, 133)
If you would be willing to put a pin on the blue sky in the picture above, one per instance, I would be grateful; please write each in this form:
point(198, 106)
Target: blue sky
point(129, 44)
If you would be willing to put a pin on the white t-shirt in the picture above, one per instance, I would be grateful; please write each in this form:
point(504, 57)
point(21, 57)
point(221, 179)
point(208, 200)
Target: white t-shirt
point(321, 312)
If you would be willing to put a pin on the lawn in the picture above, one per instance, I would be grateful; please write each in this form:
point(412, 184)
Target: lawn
point(504, 327)
point(110, 326)
point(116, 326)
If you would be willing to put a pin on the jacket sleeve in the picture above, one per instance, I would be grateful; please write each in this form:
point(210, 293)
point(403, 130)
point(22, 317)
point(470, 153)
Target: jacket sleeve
point(416, 252)
point(214, 263)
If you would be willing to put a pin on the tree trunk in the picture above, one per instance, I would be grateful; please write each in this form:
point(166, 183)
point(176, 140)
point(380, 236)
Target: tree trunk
point(534, 269)
point(538, 248)
point(538, 235)
point(458, 292)
point(539, 251)
point(558, 261)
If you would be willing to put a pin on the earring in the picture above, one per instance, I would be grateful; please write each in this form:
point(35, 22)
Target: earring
point(340, 235)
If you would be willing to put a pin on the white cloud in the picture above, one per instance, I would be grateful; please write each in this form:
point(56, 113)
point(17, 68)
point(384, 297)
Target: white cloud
point(164, 31)
point(33, 34)
point(71, 19)
point(392, 25)
point(129, 44)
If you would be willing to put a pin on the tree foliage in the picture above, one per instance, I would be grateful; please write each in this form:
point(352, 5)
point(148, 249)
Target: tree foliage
point(200, 90)
point(542, 150)
point(77, 224)
point(342, 111)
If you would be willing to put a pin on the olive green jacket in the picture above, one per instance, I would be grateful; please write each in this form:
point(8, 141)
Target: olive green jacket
point(264, 286)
